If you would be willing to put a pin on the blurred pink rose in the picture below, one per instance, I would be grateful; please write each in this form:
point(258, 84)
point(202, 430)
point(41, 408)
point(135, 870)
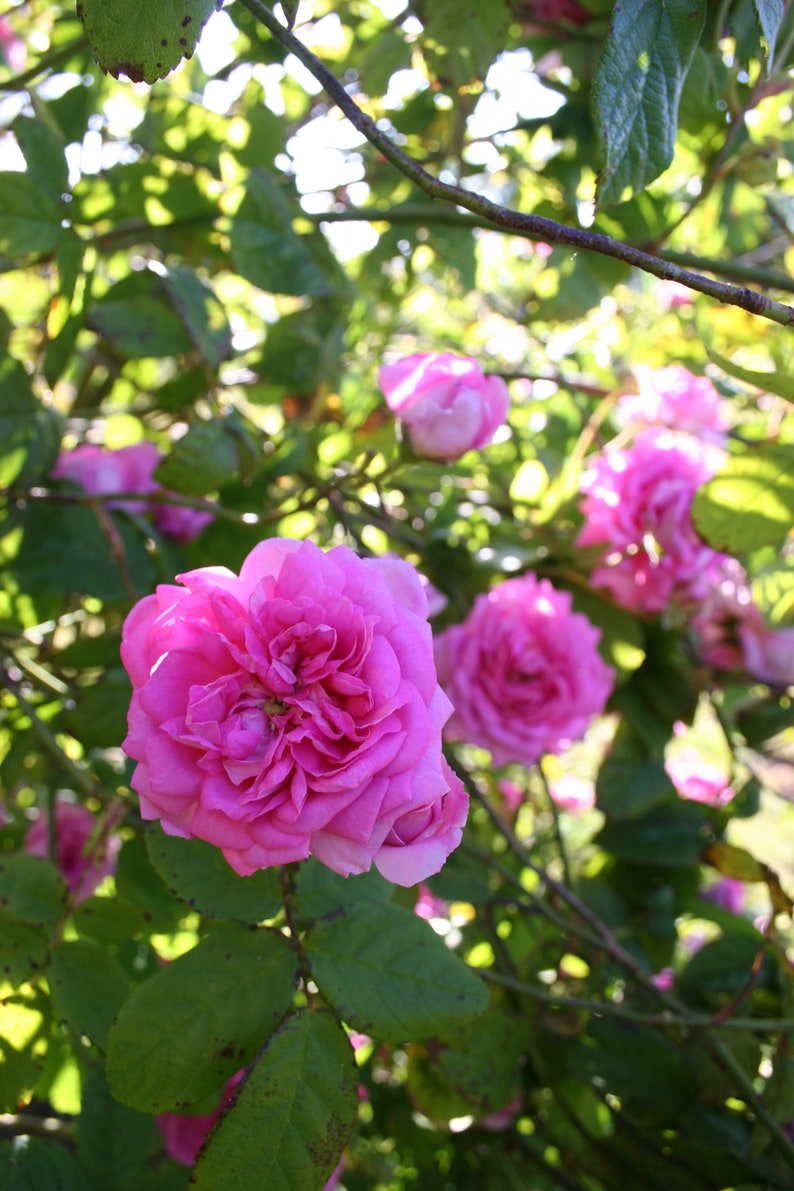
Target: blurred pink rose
point(731, 634)
point(74, 824)
point(558, 10)
point(523, 672)
point(184, 1133)
point(513, 796)
point(767, 654)
point(674, 397)
point(497, 1122)
point(294, 710)
point(12, 48)
point(99, 471)
point(727, 893)
point(637, 503)
point(664, 979)
point(428, 905)
point(445, 401)
point(672, 295)
point(573, 794)
point(697, 780)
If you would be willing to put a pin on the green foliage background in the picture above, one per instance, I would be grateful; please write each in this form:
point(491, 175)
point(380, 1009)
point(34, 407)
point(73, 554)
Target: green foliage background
point(163, 276)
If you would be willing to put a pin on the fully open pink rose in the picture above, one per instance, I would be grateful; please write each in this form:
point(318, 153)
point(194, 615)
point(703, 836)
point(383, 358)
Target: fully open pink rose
point(100, 471)
point(294, 710)
point(523, 672)
point(83, 871)
point(674, 397)
point(446, 402)
point(638, 506)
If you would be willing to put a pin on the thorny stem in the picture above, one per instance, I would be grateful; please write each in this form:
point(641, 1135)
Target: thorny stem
point(534, 227)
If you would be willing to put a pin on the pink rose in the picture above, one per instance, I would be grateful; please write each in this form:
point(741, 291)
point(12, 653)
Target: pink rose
point(674, 397)
point(446, 402)
point(523, 672)
point(83, 871)
point(698, 781)
point(428, 905)
point(100, 471)
point(294, 710)
point(638, 505)
point(672, 295)
point(727, 617)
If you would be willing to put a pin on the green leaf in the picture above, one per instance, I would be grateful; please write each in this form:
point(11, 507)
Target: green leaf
point(269, 253)
point(769, 16)
point(140, 327)
point(630, 782)
point(30, 218)
point(109, 919)
point(24, 1030)
point(204, 459)
point(387, 973)
point(302, 350)
point(750, 501)
point(143, 39)
point(31, 889)
point(637, 88)
point(29, 433)
point(36, 1164)
point(190, 1027)
point(778, 382)
point(112, 1140)
point(201, 313)
point(319, 890)
point(42, 149)
point(478, 1063)
point(668, 835)
point(462, 38)
point(23, 950)
point(293, 1115)
point(198, 873)
point(88, 987)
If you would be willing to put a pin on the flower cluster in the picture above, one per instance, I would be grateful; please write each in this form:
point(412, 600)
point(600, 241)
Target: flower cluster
point(101, 471)
point(294, 710)
point(523, 672)
point(447, 404)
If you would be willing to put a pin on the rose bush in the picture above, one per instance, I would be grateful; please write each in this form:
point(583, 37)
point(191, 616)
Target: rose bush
point(523, 672)
point(294, 709)
point(447, 404)
point(100, 471)
point(83, 870)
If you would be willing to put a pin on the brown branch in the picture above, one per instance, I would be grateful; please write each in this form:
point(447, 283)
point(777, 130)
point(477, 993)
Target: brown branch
point(534, 227)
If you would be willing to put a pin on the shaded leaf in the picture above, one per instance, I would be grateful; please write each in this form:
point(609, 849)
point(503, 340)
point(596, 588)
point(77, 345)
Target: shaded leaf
point(193, 1025)
point(37, 1164)
point(88, 987)
point(199, 874)
point(293, 1114)
point(205, 458)
point(30, 218)
point(31, 889)
point(112, 1140)
point(387, 973)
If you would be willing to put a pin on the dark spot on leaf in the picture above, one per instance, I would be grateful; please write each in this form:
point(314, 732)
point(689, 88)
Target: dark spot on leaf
point(185, 20)
point(135, 73)
point(164, 41)
point(228, 955)
point(7, 968)
point(229, 1051)
point(183, 41)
